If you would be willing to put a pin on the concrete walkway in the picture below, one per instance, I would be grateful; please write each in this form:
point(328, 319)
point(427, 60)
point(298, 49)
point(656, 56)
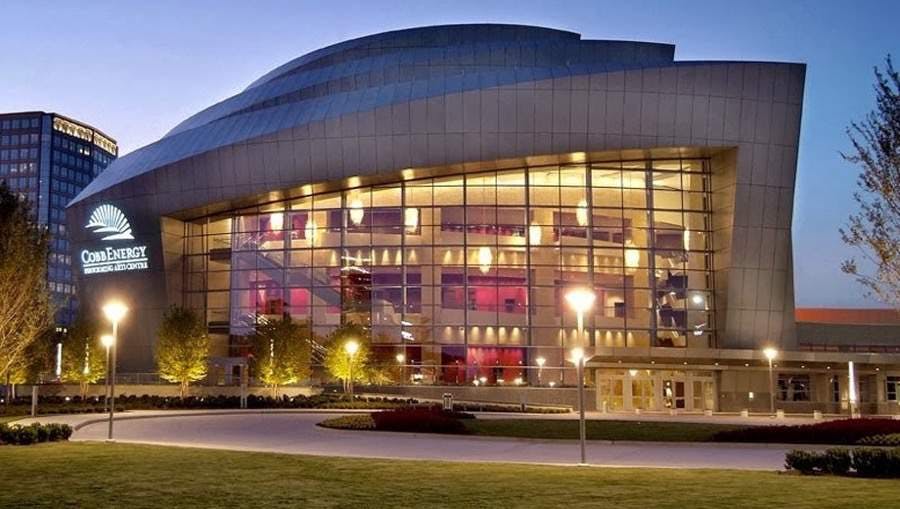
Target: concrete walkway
point(294, 432)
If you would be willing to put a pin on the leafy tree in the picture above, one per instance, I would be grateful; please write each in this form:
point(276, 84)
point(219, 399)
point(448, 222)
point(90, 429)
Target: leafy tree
point(182, 347)
point(337, 362)
point(25, 308)
point(875, 229)
point(36, 362)
point(83, 356)
point(282, 352)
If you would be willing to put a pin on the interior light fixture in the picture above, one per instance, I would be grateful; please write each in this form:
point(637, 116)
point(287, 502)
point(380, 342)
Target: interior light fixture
point(356, 211)
point(485, 259)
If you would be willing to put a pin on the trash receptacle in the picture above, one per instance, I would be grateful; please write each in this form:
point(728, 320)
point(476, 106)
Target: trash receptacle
point(448, 402)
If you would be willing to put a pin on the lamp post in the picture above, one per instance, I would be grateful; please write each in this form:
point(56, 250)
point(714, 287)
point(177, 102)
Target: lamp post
point(351, 347)
point(770, 354)
point(540, 361)
point(107, 341)
point(581, 300)
point(578, 359)
point(401, 361)
point(114, 312)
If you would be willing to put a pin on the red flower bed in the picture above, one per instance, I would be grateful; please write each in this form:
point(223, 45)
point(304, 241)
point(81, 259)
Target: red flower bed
point(420, 420)
point(845, 432)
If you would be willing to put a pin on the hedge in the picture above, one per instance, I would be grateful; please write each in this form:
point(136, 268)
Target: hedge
point(840, 432)
point(420, 420)
point(34, 433)
point(889, 440)
point(70, 405)
point(865, 462)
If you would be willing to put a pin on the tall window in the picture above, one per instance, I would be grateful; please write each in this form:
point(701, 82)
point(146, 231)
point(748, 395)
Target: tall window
point(471, 269)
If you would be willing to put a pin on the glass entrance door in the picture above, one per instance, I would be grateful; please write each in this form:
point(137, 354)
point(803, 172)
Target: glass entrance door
point(704, 395)
point(673, 394)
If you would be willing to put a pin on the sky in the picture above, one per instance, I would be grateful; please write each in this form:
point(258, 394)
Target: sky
point(134, 69)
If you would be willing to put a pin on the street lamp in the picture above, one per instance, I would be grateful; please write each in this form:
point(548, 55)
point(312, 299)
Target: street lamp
point(770, 354)
point(401, 361)
point(107, 341)
point(851, 390)
point(578, 359)
point(114, 312)
point(351, 347)
point(540, 361)
point(581, 300)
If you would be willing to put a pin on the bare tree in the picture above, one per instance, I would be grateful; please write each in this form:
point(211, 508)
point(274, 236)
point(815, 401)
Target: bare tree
point(875, 229)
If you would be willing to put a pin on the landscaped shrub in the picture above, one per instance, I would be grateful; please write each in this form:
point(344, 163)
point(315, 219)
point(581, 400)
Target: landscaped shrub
point(69, 405)
point(836, 461)
point(876, 462)
point(805, 462)
point(34, 433)
point(840, 432)
point(867, 462)
point(831, 461)
point(60, 405)
point(891, 440)
point(419, 420)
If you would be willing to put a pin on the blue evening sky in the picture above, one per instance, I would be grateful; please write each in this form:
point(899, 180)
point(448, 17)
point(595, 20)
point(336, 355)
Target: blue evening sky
point(136, 68)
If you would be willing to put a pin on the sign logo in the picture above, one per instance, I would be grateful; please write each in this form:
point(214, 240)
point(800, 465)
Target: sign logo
point(108, 221)
point(111, 220)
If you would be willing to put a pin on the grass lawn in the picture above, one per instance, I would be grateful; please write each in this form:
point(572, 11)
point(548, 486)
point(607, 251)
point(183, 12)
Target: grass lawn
point(137, 476)
point(598, 430)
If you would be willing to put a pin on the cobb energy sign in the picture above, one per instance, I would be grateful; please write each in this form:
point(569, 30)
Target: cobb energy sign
point(112, 226)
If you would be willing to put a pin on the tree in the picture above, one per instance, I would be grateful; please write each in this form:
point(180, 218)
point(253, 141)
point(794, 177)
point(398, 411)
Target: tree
point(83, 356)
point(25, 308)
point(337, 362)
point(282, 352)
point(35, 362)
point(875, 229)
point(182, 347)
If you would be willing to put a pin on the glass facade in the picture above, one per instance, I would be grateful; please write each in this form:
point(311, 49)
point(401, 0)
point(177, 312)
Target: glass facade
point(465, 275)
point(48, 160)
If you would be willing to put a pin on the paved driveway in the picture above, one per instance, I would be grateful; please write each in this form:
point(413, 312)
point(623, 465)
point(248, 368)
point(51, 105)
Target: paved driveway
point(297, 433)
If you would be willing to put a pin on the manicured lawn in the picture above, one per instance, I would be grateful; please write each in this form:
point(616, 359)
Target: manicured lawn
point(8, 418)
point(597, 430)
point(136, 476)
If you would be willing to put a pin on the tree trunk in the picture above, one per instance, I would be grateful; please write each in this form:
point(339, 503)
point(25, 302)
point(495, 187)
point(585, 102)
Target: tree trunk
point(83, 388)
point(274, 391)
point(8, 391)
point(184, 386)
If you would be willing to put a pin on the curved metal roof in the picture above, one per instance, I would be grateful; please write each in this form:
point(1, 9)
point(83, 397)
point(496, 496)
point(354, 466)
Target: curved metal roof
point(392, 67)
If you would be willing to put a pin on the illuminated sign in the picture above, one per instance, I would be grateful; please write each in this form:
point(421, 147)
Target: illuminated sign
point(86, 134)
point(111, 224)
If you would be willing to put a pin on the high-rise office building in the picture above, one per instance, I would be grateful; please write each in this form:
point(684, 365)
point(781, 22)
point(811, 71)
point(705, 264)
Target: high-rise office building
point(48, 159)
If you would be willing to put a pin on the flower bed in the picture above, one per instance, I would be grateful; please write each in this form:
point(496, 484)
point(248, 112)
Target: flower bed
point(841, 432)
point(420, 419)
point(34, 433)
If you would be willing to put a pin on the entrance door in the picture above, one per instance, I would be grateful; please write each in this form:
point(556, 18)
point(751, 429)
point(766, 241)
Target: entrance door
point(704, 395)
point(673, 394)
